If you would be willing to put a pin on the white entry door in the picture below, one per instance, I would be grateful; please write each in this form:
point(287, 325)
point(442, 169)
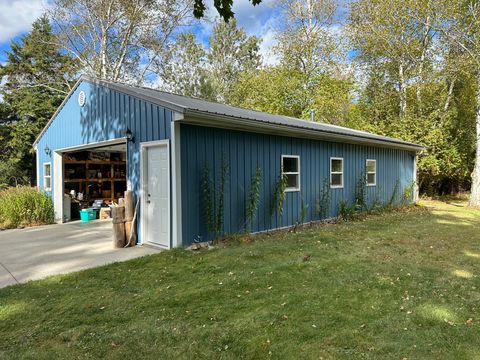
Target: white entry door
point(156, 195)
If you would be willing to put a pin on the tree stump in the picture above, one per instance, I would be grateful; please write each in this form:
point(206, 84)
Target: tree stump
point(118, 220)
point(129, 210)
point(129, 213)
point(130, 232)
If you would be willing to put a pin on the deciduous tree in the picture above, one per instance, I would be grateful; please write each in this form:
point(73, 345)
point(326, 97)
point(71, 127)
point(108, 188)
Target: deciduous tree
point(460, 26)
point(223, 7)
point(231, 53)
point(118, 39)
point(183, 68)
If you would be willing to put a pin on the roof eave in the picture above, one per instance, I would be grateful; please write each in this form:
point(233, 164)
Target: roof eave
point(110, 85)
point(197, 117)
point(130, 90)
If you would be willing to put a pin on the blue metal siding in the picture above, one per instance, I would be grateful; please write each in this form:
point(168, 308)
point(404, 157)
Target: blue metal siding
point(105, 116)
point(245, 151)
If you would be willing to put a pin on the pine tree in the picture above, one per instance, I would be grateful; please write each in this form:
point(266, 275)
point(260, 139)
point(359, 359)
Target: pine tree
point(231, 52)
point(37, 76)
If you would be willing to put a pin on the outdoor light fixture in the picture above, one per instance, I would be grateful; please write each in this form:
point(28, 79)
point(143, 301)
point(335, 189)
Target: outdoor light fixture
point(129, 135)
point(48, 151)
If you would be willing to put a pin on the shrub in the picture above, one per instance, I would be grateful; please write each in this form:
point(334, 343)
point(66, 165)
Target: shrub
point(323, 200)
point(361, 192)
point(346, 212)
point(407, 196)
point(214, 206)
point(253, 198)
point(25, 206)
point(279, 196)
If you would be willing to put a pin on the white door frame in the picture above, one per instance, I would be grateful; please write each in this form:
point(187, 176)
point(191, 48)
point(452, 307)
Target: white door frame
point(143, 184)
point(57, 185)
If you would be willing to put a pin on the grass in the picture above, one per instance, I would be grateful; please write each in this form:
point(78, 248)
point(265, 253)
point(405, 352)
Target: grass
point(24, 206)
point(397, 285)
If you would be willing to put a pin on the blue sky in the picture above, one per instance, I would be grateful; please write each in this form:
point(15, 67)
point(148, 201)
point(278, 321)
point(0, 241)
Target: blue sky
point(16, 17)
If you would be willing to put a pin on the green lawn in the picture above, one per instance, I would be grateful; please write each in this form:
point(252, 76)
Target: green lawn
point(392, 286)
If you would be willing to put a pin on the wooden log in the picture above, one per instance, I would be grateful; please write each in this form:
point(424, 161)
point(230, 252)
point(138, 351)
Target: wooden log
point(118, 220)
point(118, 214)
point(119, 235)
point(129, 205)
point(131, 236)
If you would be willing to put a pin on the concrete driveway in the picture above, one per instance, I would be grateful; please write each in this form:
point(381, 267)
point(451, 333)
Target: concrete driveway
point(38, 252)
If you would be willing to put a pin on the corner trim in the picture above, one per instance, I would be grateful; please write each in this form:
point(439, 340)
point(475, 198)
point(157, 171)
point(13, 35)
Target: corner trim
point(58, 186)
point(176, 165)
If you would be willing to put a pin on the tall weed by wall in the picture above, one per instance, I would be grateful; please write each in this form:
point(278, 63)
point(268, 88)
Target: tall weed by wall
point(25, 206)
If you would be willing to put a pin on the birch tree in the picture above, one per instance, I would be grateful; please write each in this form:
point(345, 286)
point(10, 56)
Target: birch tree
point(118, 39)
point(231, 52)
point(384, 33)
point(306, 40)
point(183, 68)
point(459, 24)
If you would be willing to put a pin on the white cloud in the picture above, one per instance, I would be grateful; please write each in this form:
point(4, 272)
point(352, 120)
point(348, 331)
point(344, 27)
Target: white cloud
point(16, 16)
point(266, 47)
point(254, 18)
point(257, 20)
point(260, 21)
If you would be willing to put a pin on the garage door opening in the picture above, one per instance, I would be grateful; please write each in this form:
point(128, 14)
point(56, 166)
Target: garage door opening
point(93, 178)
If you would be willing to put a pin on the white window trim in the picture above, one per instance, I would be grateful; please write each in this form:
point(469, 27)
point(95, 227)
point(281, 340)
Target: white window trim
point(336, 172)
point(371, 172)
point(292, 189)
point(49, 176)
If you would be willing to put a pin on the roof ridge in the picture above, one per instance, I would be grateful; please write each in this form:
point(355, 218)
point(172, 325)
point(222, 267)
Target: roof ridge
point(94, 78)
point(184, 103)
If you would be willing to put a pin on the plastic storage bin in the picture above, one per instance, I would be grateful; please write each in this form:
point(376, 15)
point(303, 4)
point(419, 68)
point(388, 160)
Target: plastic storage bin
point(88, 214)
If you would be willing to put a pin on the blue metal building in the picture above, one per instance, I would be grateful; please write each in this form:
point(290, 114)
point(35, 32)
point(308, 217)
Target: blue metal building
point(173, 143)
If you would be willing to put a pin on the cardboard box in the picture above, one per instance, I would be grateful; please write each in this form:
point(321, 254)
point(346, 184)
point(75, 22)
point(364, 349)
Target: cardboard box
point(105, 213)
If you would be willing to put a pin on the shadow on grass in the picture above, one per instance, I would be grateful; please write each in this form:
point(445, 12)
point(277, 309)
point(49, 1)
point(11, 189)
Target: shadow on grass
point(243, 301)
point(453, 220)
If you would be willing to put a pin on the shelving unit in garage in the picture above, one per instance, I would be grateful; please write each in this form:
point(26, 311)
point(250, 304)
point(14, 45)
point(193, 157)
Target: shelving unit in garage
point(103, 187)
point(96, 179)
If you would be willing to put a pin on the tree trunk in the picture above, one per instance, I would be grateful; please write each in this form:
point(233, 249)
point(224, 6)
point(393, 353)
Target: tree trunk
point(449, 95)
point(422, 64)
point(402, 90)
point(475, 192)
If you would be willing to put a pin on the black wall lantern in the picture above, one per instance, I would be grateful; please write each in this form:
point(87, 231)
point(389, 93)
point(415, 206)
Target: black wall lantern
point(129, 135)
point(48, 151)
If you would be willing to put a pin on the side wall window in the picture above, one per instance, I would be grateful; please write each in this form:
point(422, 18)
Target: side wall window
point(336, 172)
point(291, 169)
point(371, 172)
point(47, 176)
